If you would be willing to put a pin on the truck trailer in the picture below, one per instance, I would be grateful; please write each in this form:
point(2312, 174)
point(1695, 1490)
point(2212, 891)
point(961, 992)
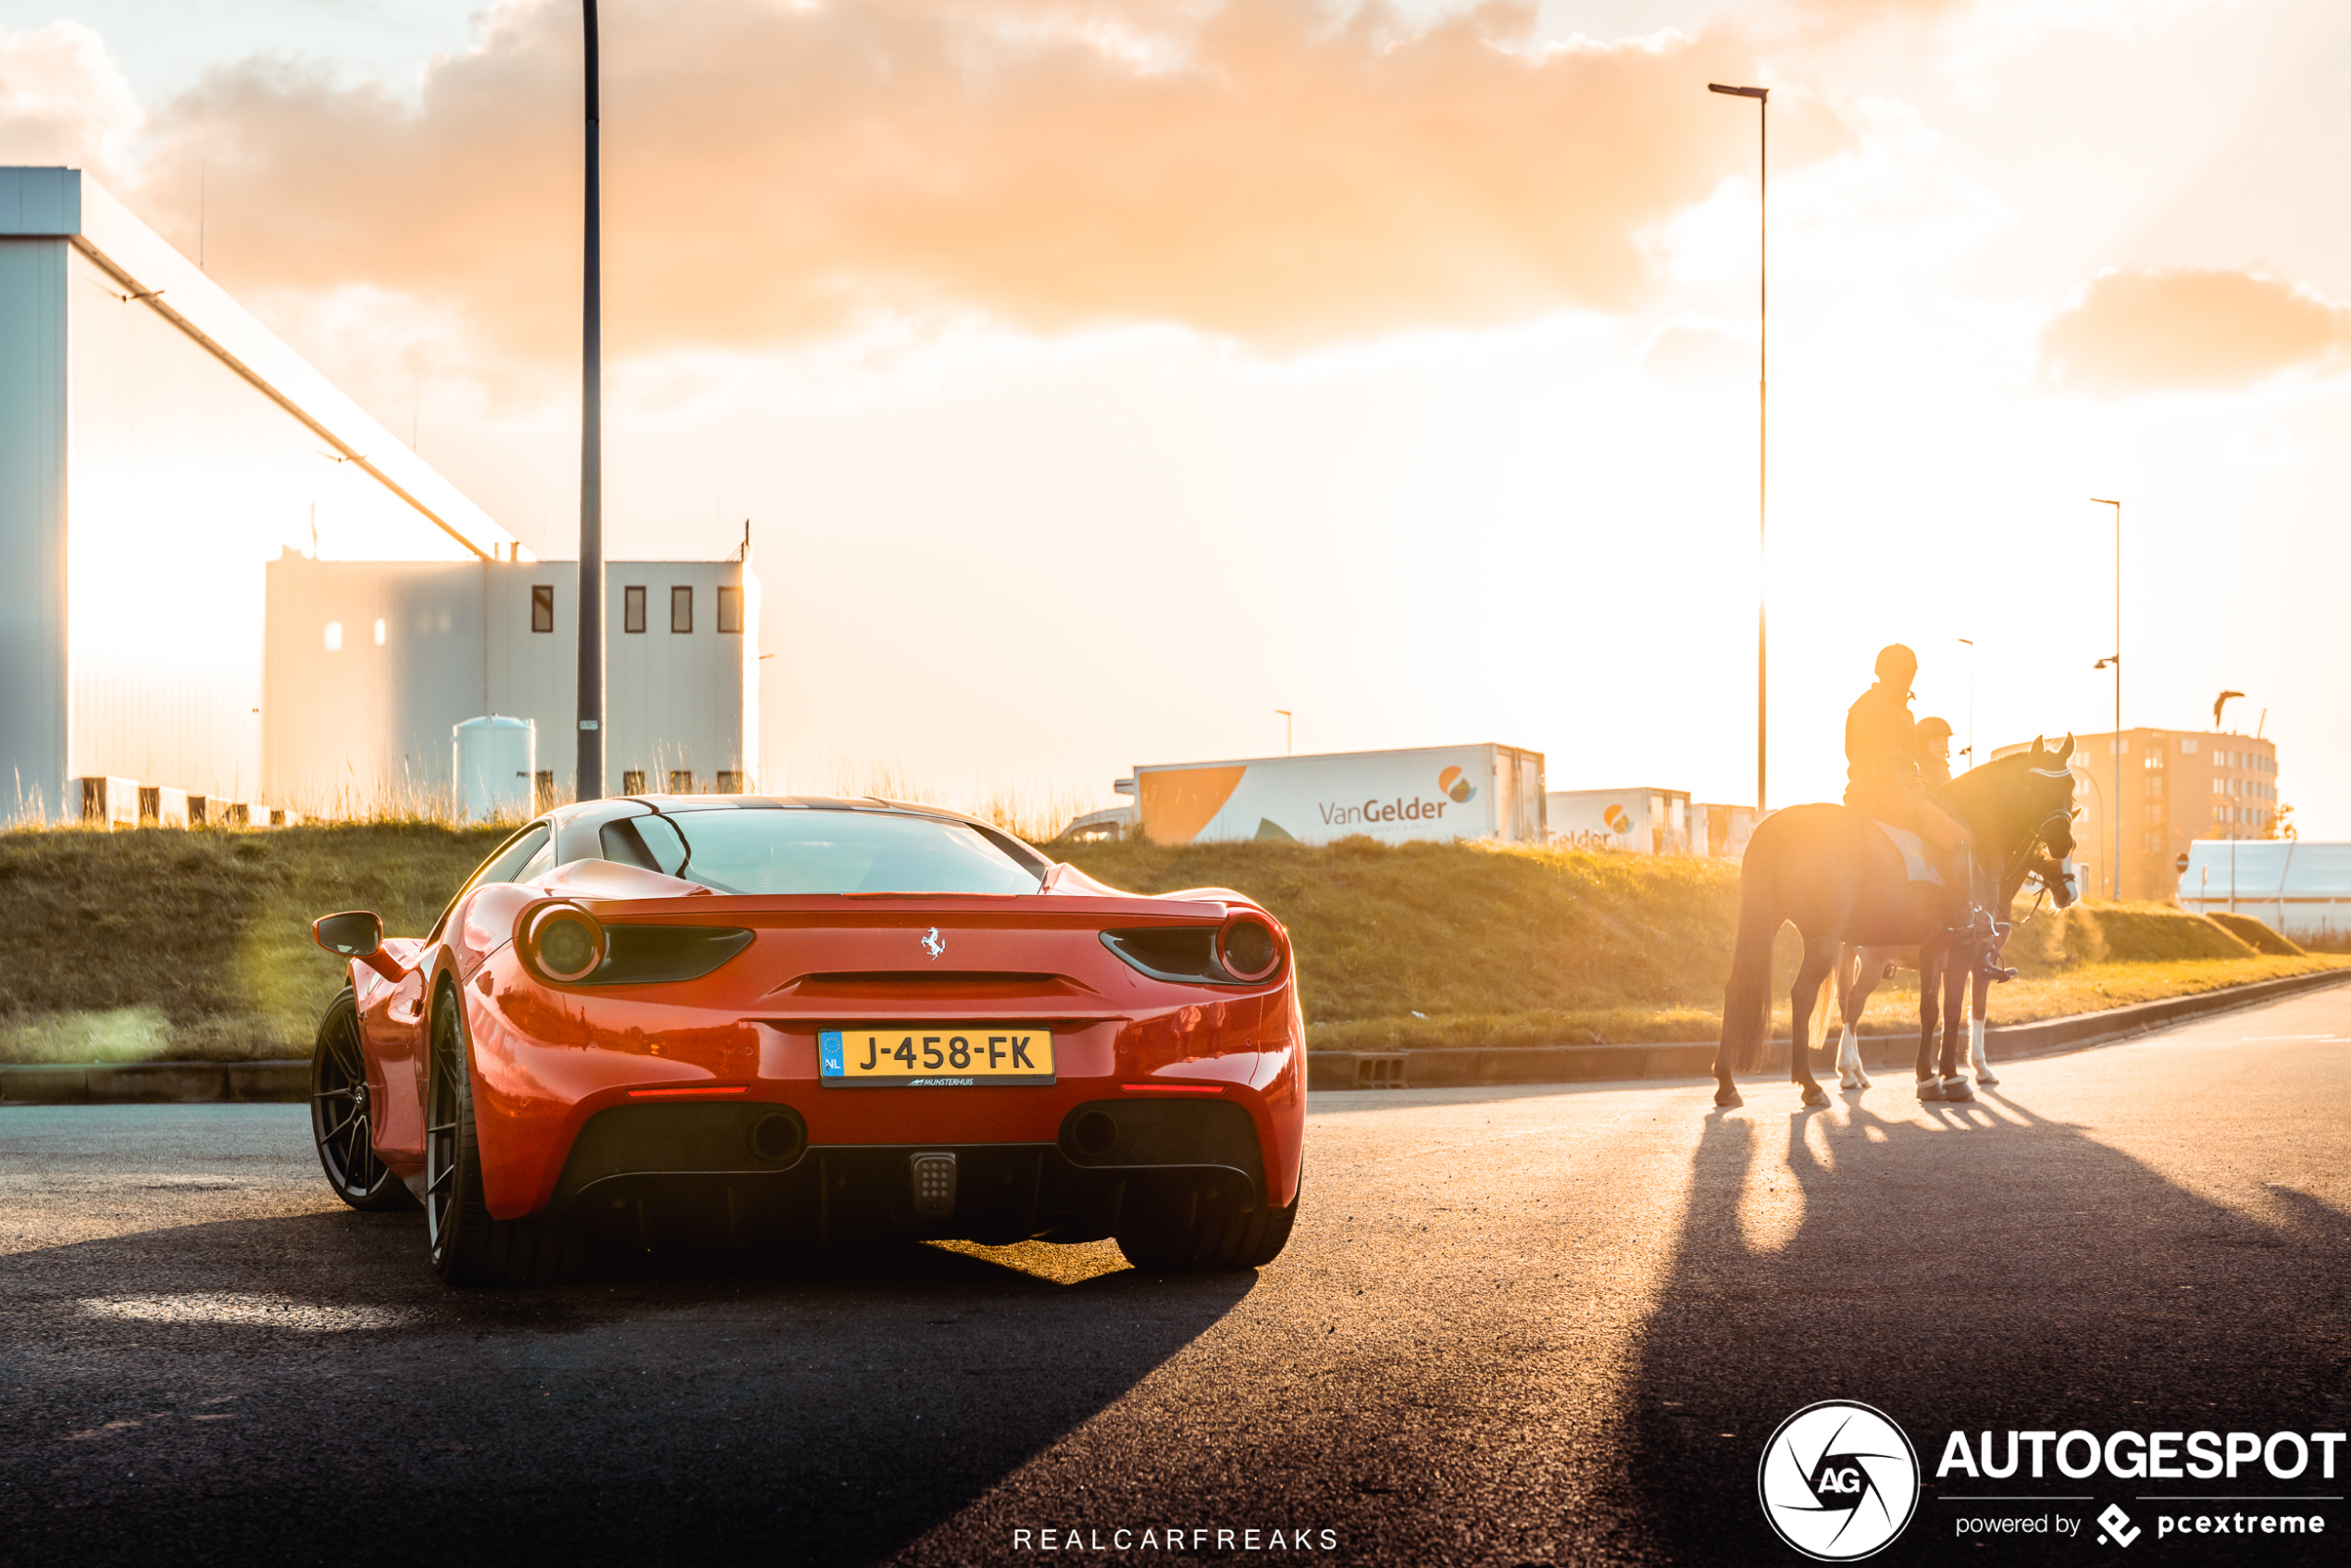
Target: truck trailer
point(1482, 792)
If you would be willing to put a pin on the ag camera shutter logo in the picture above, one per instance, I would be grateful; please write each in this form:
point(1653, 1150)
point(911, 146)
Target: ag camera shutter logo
point(1838, 1481)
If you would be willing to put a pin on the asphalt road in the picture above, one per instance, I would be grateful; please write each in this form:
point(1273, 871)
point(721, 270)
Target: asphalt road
point(1514, 1325)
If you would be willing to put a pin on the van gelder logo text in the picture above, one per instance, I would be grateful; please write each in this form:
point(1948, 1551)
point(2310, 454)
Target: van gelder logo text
point(1838, 1480)
point(2131, 1456)
point(1397, 810)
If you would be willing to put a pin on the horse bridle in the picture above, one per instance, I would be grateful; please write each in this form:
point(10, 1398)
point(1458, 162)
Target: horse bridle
point(2025, 854)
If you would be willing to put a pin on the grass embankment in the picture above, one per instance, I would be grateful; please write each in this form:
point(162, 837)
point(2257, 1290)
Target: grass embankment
point(1510, 947)
point(195, 944)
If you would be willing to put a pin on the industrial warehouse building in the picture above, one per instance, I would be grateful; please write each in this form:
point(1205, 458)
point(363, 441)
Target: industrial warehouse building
point(222, 578)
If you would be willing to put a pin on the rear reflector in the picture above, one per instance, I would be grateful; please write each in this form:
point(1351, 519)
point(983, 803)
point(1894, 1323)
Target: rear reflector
point(1171, 1089)
point(704, 1091)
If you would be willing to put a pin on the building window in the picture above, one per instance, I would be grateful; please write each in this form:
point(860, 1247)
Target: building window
point(334, 636)
point(731, 609)
point(632, 781)
point(729, 783)
point(682, 609)
point(542, 792)
point(543, 607)
point(682, 781)
point(632, 609)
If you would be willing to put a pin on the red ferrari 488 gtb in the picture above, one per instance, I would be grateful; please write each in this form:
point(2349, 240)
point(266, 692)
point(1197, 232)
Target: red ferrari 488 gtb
point(792, 1021)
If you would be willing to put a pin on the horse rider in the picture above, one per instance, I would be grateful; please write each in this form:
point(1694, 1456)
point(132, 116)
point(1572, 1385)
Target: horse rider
point(1935, 752)
point(1883, 779)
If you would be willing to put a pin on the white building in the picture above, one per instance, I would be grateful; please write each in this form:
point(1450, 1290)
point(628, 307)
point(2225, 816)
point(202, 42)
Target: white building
point(371, 665)
point(2301, 890)
point(159, 451)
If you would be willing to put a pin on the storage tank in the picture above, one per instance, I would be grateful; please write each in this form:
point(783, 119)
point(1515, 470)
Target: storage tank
point(495, 759)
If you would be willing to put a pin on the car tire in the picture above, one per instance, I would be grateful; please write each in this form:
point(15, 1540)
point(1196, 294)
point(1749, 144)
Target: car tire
point(466, 1245)
point(343, 1120)
point(1192, 1233)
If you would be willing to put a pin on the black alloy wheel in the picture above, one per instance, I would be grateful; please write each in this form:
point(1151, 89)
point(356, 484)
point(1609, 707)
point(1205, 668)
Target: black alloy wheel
point(343, 1120)
point(467, 1246)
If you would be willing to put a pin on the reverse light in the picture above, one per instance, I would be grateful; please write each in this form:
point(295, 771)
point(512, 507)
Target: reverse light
point(561, 943)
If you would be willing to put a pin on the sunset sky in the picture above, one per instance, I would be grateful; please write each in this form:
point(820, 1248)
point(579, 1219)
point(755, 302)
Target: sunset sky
point(1100, 378)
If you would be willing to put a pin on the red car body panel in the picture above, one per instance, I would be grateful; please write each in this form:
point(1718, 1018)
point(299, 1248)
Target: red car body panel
point(545, 1058)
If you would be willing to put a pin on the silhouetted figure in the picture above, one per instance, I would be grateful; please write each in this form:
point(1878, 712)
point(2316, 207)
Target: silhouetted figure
point(1935, 753)
point(1884, 781)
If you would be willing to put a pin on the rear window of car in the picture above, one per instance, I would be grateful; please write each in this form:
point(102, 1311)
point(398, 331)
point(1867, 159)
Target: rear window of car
point(800, 851)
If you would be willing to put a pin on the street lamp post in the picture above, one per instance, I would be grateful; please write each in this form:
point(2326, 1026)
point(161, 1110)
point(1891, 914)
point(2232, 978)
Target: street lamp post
point(1971, 699)
point(2115, 660)
point(590, 784)
point(1288, 744)
point(1762, 96)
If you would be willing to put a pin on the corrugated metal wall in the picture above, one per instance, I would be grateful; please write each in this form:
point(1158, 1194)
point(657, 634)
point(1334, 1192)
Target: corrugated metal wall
point(32, 525)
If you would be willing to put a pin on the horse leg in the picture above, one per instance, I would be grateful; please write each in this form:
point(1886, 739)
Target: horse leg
point(1929, 994)
point(1955, 984)
point(1855, 980)
point(1819, 958)
point(1975, 1033)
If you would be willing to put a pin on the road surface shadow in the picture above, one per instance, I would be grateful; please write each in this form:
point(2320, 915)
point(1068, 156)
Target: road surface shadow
point(302, 1388)
point(1995, 1271)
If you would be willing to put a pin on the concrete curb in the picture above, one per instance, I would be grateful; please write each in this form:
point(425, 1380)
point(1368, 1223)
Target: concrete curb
point(1457, 1067)
point(155, 1083)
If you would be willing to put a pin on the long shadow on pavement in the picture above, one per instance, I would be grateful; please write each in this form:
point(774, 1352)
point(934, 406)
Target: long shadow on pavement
point(1993, 1271)
point(301, 1389)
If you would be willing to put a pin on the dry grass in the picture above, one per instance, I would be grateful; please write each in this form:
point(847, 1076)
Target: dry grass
point(195, 944)
point(1510, 947)
point(2255, 935)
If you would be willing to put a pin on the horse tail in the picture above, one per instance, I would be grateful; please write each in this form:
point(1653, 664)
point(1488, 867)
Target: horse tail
point(1746, 999)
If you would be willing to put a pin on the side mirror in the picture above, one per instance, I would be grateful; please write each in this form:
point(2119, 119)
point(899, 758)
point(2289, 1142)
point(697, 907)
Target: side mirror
point(356, 934)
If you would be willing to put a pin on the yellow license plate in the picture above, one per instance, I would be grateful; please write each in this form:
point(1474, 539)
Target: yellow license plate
point(931, 1056)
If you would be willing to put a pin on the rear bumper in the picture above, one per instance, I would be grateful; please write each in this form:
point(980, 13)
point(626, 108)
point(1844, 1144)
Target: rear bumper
point(543, 1074)
point(743, 1172)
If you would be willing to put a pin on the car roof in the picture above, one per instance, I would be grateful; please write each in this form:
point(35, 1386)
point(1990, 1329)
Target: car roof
point(672, 805)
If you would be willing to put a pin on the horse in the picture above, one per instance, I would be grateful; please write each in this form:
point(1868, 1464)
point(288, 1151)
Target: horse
point(1860, 970)
point(1840, 880)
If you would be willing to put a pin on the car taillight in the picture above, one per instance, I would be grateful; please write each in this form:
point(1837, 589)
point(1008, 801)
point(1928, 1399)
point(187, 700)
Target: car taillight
point(1248, 949)
point(561, 942)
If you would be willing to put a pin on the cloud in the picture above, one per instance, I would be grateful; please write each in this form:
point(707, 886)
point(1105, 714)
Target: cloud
point(2158, 327)
point(63, 100)
point(1271, 170)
